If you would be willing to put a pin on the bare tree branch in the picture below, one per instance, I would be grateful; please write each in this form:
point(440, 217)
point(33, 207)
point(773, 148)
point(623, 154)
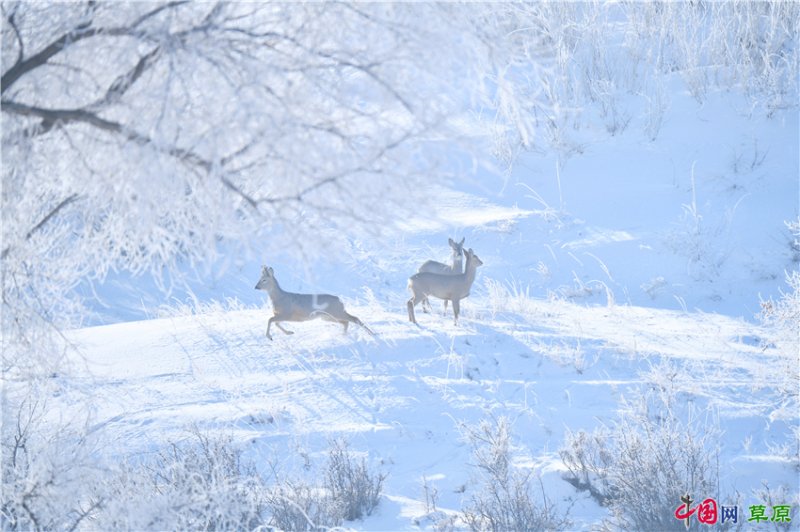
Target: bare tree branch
point(82, 31)
point(13, 23)
point(66, 201)
point(65, 116)
point(124, 82)
point(150, 14)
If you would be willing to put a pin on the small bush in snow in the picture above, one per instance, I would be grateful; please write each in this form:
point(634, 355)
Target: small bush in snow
point(434, 518)
point(641, 466)
point(350, 483)
point(504, 500)
point(780, 495)
point(781, 318)
point(48, 472)
point(300, 507)
point(349, 491)
point(200, 484)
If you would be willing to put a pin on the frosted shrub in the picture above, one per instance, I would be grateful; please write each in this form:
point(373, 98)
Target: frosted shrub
point(200, 484)
point(434, 518)
point(640, 466)
point(504, 499)
point(779, 495)
point(48, 473)
point(701, 236)
point(350, 483)
point(781, 318)
point(300, 507)
point(510, 297)
point(349, 491)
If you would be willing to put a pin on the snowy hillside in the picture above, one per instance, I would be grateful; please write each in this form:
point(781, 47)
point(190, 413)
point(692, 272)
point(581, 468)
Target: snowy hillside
point(406, 397)
point(586, 301)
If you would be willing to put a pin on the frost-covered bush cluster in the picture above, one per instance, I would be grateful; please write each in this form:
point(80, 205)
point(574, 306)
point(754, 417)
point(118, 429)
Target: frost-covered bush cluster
point(351, 482)
point(504, 497)
point(640, 465)
point(349, 491)
point(204, 482)
point(296, 505)
point(49, 474)
point(702, 237)
point(593, 56)
point(781, 318)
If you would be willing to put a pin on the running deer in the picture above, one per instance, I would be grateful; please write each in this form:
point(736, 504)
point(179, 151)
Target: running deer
point(448, 287)
point(288, 306)
point(433, 266)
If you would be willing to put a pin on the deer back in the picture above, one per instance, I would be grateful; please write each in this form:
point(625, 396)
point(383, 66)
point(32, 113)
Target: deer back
point(298, 307)
point(307, 306)
point(440, 268)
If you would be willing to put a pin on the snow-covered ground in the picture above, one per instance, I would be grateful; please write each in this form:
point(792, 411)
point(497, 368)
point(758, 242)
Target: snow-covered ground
point(633, 265)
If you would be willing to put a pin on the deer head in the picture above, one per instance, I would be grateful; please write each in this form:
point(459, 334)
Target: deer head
point(267, 279)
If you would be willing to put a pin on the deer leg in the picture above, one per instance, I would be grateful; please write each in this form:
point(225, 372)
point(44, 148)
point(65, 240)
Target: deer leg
point(279, 326)
point(445, 308)
point(357, 321)
point(426, 305)
point(410, 305)
point(456, 309)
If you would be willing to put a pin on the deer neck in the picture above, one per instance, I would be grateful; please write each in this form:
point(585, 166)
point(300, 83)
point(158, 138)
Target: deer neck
point(274, 289)
point(458, 264)
point(470, 271)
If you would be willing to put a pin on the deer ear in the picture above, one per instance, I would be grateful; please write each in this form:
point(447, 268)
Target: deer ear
point(462, 241)
point(271, 272)
point(450, 241)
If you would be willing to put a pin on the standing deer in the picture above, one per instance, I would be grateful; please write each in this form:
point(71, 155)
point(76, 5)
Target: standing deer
point(433, 266)
point(448, 287)
point(288, 306)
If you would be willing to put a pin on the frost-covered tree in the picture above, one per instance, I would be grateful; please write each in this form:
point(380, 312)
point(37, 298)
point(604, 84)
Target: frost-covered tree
point(136, 134)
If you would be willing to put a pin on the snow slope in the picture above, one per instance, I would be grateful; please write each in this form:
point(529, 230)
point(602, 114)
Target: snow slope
point(632, 265)
point(405, 396)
